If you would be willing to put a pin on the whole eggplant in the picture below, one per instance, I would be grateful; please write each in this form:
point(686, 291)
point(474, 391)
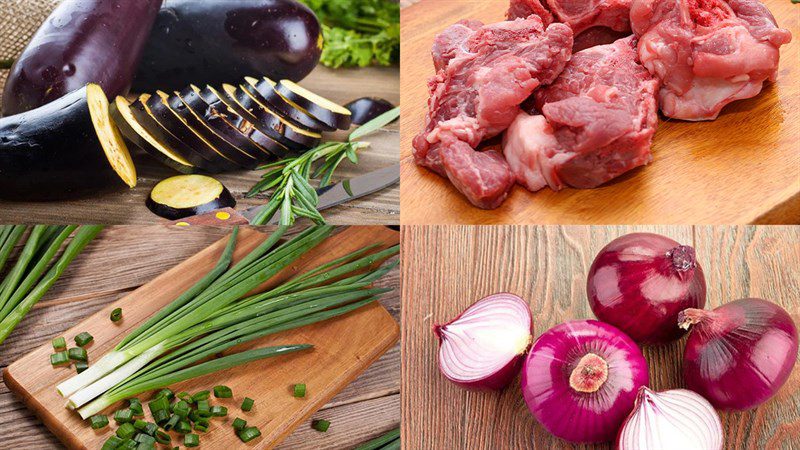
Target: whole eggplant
point(82, 41)
point(220, 41)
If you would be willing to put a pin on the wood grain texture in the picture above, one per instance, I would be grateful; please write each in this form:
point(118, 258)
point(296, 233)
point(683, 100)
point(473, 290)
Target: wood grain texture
point(742, 168)
point(447, 268)
point(88, 290)
point(342, 85)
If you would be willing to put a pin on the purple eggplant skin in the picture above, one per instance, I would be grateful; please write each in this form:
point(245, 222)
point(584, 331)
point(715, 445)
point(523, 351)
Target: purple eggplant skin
point(82, 41)
point(365, 109)
point(220, 41)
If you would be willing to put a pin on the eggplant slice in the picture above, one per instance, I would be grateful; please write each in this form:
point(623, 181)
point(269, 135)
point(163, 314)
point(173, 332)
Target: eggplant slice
point(365, 109)
point(135, 133)
point(264, 91)
point(65, 149)
point(188, 195)
point(316, 106)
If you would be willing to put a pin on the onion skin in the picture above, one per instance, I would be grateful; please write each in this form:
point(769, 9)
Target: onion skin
point(452, 361)
point(582, 417)
point(640, 282)
point(680, 417)
point(740, 354)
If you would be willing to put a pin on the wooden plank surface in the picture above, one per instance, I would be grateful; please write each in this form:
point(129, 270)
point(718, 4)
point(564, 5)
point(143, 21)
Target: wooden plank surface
point(447, 268)
point(742, 168)
point(86, 289)
point(341, 85)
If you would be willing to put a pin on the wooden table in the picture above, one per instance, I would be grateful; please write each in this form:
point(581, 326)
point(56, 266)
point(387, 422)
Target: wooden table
point(445, 269)
point(123, 258)
point(742, 168)
point(341, 85)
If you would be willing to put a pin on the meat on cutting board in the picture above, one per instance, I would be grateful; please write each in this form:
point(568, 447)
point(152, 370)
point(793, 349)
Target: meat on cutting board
point(484, 73)
point(707, 53)
point(580, 15)
point(598, 120)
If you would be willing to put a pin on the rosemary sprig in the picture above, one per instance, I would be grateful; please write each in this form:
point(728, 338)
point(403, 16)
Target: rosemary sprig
point(289, 178)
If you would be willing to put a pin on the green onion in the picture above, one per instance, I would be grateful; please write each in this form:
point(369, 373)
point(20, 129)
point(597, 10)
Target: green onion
point(116, 315)
point(186, 397)
point(247, 404)
point(126, 431)
point(98, 421)
point(83, 338)
point(80, 366)
point(201, 425)
point(129, 444)
point(320, 425)
point(123, 416)
point(203, 408)
point(249, 433)
point(219, 411)
point(136, 406)
point(150, 429)
point(181, 409)
point(140, 424)
point(223, 392)
point(191, 440)
point(382, 441)
point(166, 393)
point(146, 439)
point(172, 422)
point(163, 438)
point(299, 390)
point(59, 358)
point(159, 403)
point(77, 354)
point(59, 344)
point(202, 395)
point(239, 424)
point(183, 427)
point(112, 443)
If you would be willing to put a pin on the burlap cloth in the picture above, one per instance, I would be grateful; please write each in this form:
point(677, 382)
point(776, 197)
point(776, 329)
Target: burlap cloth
point(19, 19)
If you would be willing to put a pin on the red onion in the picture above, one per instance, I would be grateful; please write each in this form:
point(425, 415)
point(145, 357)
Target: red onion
point(676, 419)
point(482, 348)
point(738, 355)
point(641, 281)
point(581, 378)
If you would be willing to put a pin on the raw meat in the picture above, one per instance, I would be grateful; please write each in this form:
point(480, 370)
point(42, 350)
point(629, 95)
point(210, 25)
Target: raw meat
point(707, 53)
point(597, 36)
point(522, 9)
point(598, 121)
point(483, 76)
point(580, 15)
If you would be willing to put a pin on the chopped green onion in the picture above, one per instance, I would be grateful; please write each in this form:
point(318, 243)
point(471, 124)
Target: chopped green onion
point(139, 424)
point(77, 354)
point(59, 358)
point(136, 406)
point(116, 314)
point(299, 390)
point(194, 416)
point(219, 411)
point(123, 416)
point(247, 404)
point(166, 393)
point(249, 433)
point(160, 403)
point(201, 425)
point(83, 338)
point(203, 408)
point(80, 366)
point(129, 444)
point(223, 392)
point(191, 440)
point(163, 438)
point(172, 422)
point(146, 439)
point(186, 397)
point(59, 344)
point(161, 416)
point(202, 395)
point(183, 427)
point(239, 424)
point(150, 429)
point(98, 421)
point(112, 443)
point(181, 408)
point(320, 425)
point(126, 431)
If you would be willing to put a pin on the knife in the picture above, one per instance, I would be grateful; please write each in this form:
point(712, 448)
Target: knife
point(331, 195)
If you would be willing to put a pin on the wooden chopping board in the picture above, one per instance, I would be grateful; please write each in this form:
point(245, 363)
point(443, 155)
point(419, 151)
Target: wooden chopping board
point(344, 347)
point(742, 168)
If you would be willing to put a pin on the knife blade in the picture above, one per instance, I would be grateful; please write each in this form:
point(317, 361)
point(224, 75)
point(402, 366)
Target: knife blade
point(344, 191)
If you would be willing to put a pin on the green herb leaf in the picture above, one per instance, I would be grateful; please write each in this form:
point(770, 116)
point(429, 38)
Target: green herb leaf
point(375, 124)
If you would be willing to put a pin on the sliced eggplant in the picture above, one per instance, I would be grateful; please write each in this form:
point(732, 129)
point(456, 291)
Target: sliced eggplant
point(365, 109)
point(135, 133)
point(264, 91)
point(188, 195)
point(319, 107)
point(65, 149)
point(180, 129)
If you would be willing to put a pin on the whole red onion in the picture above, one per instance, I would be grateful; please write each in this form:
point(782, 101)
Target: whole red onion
point(738, 355)
point(677, 418)
point(580, 380)
point(482, 347)
point(641, 281)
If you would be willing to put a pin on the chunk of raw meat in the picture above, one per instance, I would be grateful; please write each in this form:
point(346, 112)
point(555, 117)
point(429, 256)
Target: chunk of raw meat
point(707, 53)
point(475, 95)
point(447, 43)
point(598, 121)
point(522, 9)
point(578, 14)
point(597, 36)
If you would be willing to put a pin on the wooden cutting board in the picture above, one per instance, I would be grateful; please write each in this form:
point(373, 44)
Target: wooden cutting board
point(343, 348)
point(742, 168)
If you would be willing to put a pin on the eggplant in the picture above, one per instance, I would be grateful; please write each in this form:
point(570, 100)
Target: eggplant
point(216, 41)
point(364, 109)
point(264, 91)
point(316, 106)
point(136, 134)
point(188, 195)
point(82, 41)
point(65, 149)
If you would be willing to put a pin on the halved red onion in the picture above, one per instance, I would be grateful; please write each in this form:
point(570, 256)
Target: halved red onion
point(482, 348)
point(677, 418)
point(580, 380)
point(641, 281)
point(740, 354)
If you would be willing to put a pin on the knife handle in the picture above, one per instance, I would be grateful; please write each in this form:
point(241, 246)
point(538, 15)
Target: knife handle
point(219, 218)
